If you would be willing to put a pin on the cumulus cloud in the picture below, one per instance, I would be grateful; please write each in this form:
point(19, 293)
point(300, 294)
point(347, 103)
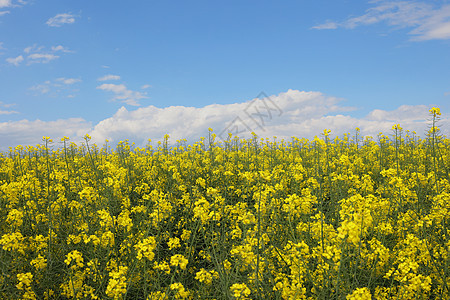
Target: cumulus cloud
point(15, 60)
point(25, 132)
point(123, 94)
point(61, 19)
point(293, 113)
point(109, 77)
point(427, 21)
point(403, 113)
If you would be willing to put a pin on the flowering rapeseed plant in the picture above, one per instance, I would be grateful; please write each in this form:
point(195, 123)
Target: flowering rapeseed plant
point(329, 218)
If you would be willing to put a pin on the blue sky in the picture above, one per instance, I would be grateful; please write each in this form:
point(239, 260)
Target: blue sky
point(140, 69)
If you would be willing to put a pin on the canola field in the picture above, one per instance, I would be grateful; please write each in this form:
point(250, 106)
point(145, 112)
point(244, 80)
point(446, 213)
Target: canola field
point(328, 218)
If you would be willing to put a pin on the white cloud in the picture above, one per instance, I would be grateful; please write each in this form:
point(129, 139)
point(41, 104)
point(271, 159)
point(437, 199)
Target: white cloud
point(41, 88)
point(34, 48)
point(8, 112)
point(327, 25)
point(25, 132)
point(274, 114)
point(60, 19)
point(146, 86)
point(405, 113)
point(41, 58)
point(109, 77)
point(123, 94)
point(56, 87)
point(427, 21)
point(437, 26)
point(5, 3)
point(15, 60)
point(61, 48)
point(68, 80)
point(6, 105)
point(38, 54)
point(293, 113)
point(9, 3)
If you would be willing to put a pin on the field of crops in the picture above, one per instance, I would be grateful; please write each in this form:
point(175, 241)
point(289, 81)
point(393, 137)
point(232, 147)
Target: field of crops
point(328, 218)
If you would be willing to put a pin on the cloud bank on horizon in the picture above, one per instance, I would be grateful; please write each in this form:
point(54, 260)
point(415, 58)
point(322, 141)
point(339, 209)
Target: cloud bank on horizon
point(292, 113)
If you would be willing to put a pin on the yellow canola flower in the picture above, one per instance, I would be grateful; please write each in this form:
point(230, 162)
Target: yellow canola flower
point(157, 296)
point(349, 231)
point(174, 243)
point(105, 218)
point(15, 218)
point(24, 284)
point(435, 111)
point(162, 266)
point(181, 293)
point(360, 294)
point(201, 210)
point(145, 248)
point(124, 220)
point(76, 256)
point(240, 291)
point(39, 263)
point(178, 260)
point(24, 280)
point(12, 242)
point(117, 284)
point(186, 235)
point(107, 239)
point(206, 277)
point(91, 238)
point(397, 127)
